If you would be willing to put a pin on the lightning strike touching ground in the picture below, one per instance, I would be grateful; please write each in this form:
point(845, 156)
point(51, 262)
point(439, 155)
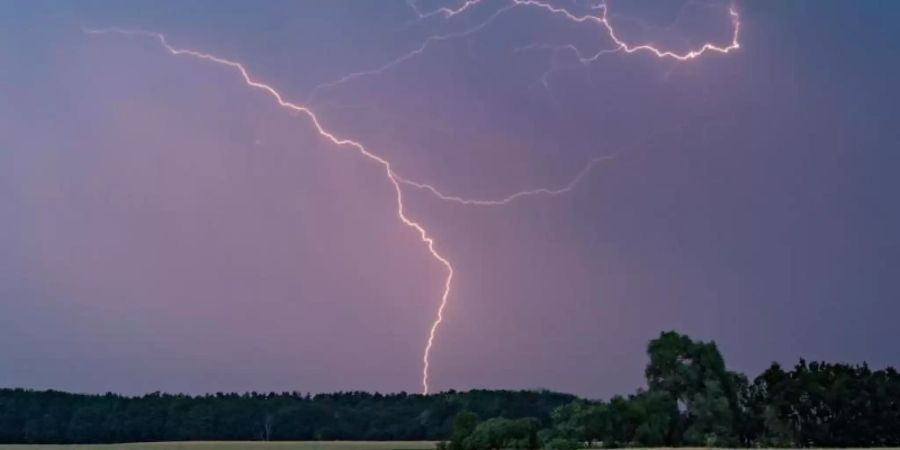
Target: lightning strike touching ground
point(339, 141)
point(396, 180)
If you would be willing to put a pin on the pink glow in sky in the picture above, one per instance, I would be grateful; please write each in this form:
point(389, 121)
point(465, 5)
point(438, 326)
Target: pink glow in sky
point(167, 228)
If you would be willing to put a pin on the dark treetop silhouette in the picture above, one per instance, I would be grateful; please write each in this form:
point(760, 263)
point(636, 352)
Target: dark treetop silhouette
point(691, 399)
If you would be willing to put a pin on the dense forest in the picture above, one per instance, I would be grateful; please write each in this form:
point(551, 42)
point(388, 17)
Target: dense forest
point(691, 398)
point(56, 417)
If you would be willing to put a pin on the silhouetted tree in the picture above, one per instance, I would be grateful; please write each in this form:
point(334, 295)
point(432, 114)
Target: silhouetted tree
point(694, 375)
point(691, 398)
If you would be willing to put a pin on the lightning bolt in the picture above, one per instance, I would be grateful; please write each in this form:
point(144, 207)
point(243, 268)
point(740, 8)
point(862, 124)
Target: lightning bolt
point(565, 188)
point(396, 180)
point(602, 20)
point(511, 197)
point(442, 11)
point(428, 42)
point(334, 139)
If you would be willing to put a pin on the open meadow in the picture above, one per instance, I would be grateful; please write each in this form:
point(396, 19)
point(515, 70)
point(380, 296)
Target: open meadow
point(211, 445)
point(295, 445)
point(302, 445)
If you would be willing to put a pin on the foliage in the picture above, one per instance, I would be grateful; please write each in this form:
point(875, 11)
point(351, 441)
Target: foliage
point(493, 434)
point(822, 404)
point(54, 417)
point(691, 399)
point(464, 425)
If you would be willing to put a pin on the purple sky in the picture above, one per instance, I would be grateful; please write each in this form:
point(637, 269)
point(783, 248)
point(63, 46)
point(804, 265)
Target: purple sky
point(163, 227)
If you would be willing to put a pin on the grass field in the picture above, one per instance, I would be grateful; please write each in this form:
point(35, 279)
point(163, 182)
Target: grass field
point(300, 445)
point(307, 445)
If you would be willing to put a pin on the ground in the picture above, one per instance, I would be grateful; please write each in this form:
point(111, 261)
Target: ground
point(307, 445)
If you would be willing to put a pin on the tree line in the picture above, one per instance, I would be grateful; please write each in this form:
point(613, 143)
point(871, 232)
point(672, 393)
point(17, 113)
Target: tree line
point(691, 399)
point(28, 416)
